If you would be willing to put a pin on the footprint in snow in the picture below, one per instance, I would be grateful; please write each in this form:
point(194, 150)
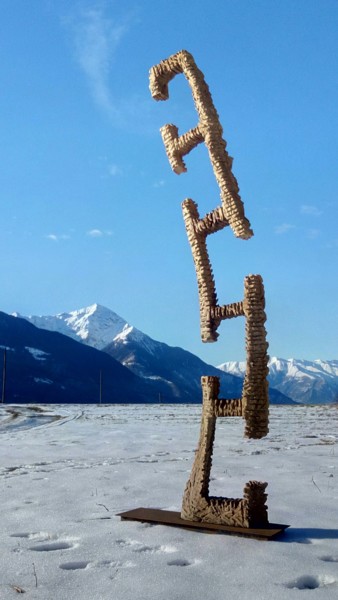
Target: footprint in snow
point(82, 564)
point(53, 546)
point(183, 562)
point(180, 562)
point(74, 566)
point(310, 582)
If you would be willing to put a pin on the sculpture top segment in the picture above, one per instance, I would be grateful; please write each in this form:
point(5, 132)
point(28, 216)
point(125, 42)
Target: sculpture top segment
point(208, 130)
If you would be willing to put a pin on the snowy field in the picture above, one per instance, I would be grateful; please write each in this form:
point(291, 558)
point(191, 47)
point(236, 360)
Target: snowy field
point(67, 470)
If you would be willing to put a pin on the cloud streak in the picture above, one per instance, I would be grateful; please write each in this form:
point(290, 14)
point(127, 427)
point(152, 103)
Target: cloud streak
point(307, 209)
point(284, 228)
point(56, 238)
point(114, 170)
point(96, 39)
point(313, 234)
point(159, 184)
point(98, 233)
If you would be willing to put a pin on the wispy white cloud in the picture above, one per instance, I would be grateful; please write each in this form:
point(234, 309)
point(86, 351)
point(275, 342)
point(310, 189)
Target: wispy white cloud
point(332, 244)
point(98, 233)
point(312, 234)
point(307, 209)
point(159, 184)
point(95, 233)
point(114, 170)
point(284, 228)
point(56, 237)
point(96, 38)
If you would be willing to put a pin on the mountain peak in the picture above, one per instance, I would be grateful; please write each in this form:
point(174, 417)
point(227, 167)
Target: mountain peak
point(95, 325)
point(92, 309)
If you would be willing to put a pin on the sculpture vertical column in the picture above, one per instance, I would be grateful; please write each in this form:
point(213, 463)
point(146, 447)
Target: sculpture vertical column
point(197, 504)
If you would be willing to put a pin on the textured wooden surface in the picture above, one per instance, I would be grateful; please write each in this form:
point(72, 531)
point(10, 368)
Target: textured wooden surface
point(168, 517)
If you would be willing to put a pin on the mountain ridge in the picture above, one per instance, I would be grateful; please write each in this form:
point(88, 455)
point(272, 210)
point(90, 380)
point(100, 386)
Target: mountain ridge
point(176, 371)
point(49, 367)
point(310, 382)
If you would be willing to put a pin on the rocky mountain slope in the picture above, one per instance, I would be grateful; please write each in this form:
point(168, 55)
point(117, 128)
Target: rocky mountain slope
point(180, 369)
point(48, 367)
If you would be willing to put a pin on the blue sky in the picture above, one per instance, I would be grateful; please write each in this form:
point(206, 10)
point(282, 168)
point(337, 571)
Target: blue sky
point(91, 211)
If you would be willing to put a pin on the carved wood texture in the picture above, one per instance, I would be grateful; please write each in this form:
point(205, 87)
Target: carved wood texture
point(198, 505)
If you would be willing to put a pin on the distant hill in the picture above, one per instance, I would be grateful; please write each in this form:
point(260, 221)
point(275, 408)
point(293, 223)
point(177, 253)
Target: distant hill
point(174, 373)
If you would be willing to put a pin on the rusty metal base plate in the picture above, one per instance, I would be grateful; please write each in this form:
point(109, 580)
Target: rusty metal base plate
point(168, 517)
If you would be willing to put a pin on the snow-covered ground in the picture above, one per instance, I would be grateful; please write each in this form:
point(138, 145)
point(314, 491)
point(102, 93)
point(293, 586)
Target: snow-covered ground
point(65, 473)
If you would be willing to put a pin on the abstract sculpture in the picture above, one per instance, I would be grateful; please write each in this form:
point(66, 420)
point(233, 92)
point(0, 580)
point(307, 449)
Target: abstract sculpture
point(251, 510)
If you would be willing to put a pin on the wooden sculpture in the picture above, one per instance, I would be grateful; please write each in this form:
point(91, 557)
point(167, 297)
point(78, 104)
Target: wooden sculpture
point(198, 505)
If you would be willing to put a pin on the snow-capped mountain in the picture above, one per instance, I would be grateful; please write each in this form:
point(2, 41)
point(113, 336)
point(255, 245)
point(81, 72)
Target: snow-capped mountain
point(302, 380)
point(94, 325)
point(174, 373)
point(178, 370)
point(48, 367)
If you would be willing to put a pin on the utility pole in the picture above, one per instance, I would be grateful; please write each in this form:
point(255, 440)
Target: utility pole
point(4, 378)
